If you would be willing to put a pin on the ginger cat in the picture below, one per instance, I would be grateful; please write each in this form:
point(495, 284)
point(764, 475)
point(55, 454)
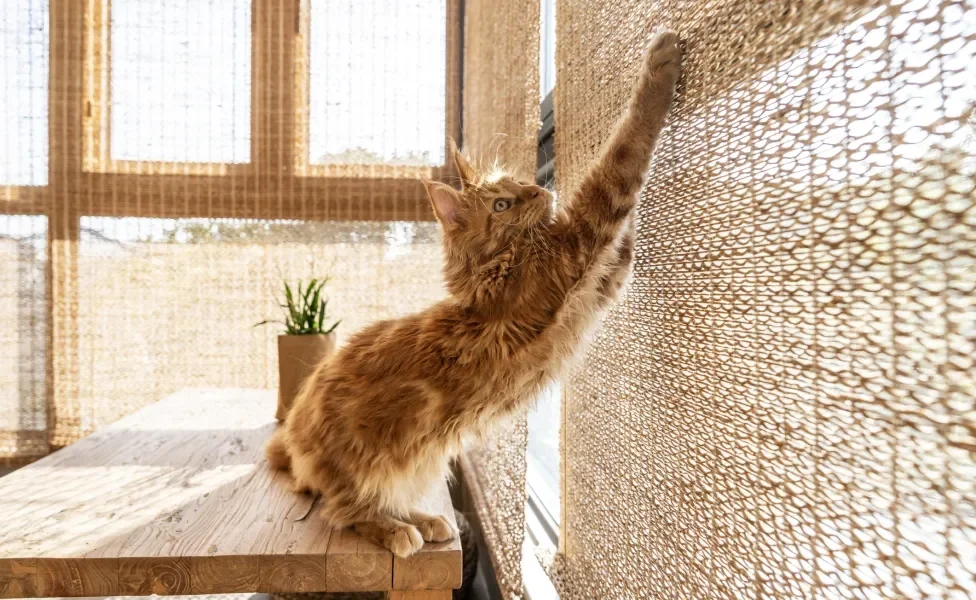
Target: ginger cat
point(378, 422)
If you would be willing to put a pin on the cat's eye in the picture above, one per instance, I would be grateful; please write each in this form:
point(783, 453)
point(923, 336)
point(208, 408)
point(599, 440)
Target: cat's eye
point(502, 204)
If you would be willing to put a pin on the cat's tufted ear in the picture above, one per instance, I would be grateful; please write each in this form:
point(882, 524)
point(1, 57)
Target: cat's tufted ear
point(465, 171)
point(446, 202)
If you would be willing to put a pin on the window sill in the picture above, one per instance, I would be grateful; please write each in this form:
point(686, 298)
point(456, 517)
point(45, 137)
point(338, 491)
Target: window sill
point(541, 534)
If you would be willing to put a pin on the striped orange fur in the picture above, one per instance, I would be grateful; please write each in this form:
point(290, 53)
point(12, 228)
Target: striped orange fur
point(378, 422)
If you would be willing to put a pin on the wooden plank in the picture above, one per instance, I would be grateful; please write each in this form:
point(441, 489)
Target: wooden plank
point(356, 564)
point(177, 499)
point(436, 566)
point(297, 574)
point(225, 575)
point(72, 578)
point(17, 578)
point(24, 200)
point(225, 556)
point(160, 576)
point(420, 595)
point(246, 196)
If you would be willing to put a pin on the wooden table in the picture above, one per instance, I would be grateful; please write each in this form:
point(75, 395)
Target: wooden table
point(177, 499)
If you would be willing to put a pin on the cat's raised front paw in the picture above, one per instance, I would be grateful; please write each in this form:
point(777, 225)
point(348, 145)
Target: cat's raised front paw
point(437, 529)
point(663, 53)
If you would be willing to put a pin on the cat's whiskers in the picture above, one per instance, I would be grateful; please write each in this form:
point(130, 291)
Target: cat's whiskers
point(542, 246)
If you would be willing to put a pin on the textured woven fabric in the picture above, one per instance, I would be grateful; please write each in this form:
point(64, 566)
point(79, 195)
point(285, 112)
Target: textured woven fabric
point(164, 164)
point(501, 83)
point(501, 124)
point(783, 406)
point(23, 425)
point(195, 328)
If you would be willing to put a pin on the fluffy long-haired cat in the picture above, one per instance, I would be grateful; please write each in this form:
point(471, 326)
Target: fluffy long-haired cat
point(378, 422)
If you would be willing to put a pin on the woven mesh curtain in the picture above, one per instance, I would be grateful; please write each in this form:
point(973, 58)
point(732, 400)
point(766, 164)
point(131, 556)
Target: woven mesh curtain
point(784, 405)
point(501, 123)
point(165, 164)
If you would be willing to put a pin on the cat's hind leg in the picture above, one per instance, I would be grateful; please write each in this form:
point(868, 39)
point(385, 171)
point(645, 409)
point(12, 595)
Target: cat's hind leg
point(343, 506)
point(433, 528)
point(277, 452)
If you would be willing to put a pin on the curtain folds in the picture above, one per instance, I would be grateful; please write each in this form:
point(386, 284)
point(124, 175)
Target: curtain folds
point(501, 124)
point(783, 406)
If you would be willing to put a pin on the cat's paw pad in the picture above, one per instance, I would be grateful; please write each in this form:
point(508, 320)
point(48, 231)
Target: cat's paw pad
point(437, 529)
point(405, 541)
point(664, 52)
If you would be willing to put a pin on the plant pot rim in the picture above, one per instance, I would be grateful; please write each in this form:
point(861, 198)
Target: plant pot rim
point(303, 335)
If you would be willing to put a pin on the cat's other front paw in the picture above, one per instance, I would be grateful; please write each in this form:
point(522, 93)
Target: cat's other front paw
point(404, 541)
point(664, 54)
point(437, 529)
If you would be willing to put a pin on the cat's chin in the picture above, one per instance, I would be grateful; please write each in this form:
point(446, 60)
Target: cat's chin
point(542, 216)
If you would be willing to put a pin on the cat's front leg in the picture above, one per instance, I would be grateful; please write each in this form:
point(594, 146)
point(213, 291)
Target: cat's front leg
point(618, 268)
point(608, 193)
point(402, 539)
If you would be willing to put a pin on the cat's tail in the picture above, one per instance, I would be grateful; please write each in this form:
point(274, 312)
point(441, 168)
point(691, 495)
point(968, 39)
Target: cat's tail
point(277, 451)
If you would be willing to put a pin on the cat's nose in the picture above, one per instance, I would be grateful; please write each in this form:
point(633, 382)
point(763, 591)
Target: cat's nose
point(534, 192)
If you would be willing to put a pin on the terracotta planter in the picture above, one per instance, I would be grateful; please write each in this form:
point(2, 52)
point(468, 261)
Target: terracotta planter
point(298, 355)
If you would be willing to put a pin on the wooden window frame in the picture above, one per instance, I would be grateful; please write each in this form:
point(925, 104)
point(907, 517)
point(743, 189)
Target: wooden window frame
point(268, 97)
point(97, 124)
point(272, 185)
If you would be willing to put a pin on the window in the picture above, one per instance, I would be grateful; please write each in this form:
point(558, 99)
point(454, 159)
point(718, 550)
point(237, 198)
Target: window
point(542, 472)
point(376, 82)
point(543, 511)
point(202, 283)
point(547, 48)
point(179, 78)
point(23, 104)
point(143, 88)
point(543, 458)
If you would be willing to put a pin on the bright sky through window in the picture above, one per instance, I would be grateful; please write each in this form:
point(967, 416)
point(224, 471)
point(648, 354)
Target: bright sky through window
point(181, 80)
point(377, 83)
point(23, 101)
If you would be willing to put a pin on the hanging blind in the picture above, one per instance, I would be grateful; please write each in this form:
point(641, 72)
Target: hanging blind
point(784, 405)
point(501, 122)
point(167, 163)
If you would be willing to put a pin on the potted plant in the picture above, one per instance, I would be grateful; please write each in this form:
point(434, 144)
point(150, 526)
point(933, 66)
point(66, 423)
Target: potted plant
point(309, 337)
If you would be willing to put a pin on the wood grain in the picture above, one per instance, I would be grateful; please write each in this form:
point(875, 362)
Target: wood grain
point(356, 564)
point(17, 578)
point(147, 576)
point(225, 575)
point(298, 574)
point(77, 578)
point(437, 566)
point(177, 499)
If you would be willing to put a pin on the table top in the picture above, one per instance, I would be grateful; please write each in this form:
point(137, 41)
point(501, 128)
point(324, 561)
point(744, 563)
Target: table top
point(177, 499)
